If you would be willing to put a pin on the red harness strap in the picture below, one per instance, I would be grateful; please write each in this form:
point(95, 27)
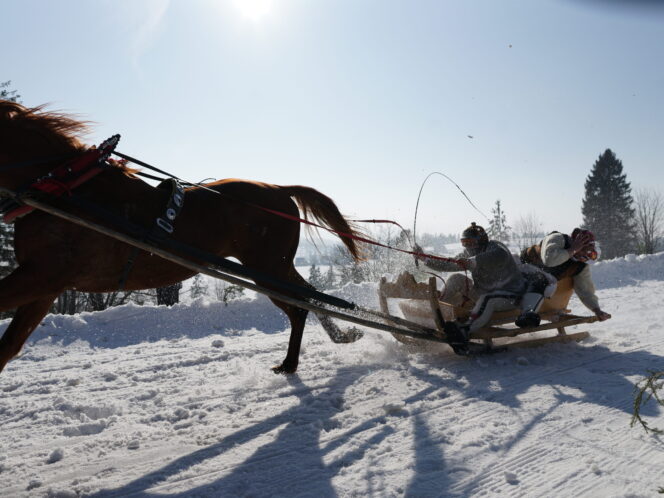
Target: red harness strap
point(63, 179)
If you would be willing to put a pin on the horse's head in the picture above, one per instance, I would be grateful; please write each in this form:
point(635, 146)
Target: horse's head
point(31, 134)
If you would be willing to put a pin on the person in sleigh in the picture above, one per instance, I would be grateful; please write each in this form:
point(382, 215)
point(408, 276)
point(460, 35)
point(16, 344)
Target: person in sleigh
point(498, 283)
point(562, 256)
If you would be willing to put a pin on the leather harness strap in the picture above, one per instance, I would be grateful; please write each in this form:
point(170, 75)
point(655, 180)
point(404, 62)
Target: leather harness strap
point(63, 179)
point(163, 224)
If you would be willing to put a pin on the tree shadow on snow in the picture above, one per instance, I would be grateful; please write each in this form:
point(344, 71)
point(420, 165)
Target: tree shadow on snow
point(574, 373)
point(294, 463)
point(597, 374)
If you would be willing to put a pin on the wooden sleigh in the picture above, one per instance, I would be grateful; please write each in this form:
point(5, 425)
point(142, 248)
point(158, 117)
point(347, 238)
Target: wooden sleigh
point(420, 303)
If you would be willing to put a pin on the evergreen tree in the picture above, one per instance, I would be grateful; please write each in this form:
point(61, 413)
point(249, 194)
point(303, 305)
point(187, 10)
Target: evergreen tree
point(330, 279)
point(607, 206)
point(198, 287)
point(169, 295)
point(315, 277)
point(498, 228)
point(7, 261)
point(6, 93)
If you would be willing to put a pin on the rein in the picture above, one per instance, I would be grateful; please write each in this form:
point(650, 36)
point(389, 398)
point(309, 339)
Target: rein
point(94, 160)
point(296, 218)
point(459, 262)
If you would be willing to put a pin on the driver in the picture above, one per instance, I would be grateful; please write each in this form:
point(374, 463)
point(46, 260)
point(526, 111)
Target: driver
point(498, 284)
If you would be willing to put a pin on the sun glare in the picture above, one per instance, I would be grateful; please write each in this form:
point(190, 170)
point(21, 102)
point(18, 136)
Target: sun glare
point(254, 9)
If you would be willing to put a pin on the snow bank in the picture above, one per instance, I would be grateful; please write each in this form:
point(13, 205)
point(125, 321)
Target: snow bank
point(628, 270)
point(202, 317)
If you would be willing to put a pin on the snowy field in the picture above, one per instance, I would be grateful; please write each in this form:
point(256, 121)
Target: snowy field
point(151, 401)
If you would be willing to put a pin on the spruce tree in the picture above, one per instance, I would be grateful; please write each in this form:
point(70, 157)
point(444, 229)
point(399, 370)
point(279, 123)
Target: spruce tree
point(498, 228)
point(607, 206)
point(330, 279)
point(169, 295)
point(7, 261)
point(6, 93)
point(198, 287)
point(315, 277)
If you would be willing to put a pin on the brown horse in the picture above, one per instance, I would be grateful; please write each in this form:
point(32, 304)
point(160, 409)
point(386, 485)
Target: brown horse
point(55, 255)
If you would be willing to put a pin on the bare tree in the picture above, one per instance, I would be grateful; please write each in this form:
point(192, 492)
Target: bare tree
point(528, 229)
point(99, 301)
point(649, 214)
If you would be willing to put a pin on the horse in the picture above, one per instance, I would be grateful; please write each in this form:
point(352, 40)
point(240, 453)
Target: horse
point(55, 255)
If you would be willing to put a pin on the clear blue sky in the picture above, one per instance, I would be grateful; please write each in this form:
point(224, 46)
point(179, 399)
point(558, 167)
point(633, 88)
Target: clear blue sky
point(361, 98)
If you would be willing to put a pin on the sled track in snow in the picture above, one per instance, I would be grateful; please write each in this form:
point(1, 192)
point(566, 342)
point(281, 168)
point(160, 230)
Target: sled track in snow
point(526, 459)
point(531, 464)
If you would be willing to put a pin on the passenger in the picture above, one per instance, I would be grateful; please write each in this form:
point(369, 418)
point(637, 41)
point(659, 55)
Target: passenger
point(563, 255)
point(497, 284)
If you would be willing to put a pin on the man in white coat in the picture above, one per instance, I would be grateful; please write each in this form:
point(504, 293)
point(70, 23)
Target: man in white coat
point(563, 255)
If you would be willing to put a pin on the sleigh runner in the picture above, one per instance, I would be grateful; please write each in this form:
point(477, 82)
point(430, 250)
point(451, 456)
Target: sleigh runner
point(420, 303)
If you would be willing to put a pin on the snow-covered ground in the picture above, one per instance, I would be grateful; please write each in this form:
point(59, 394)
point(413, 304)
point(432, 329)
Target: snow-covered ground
point(152, 401)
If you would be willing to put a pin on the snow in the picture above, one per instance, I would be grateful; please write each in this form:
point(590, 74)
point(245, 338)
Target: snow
point(155, 401)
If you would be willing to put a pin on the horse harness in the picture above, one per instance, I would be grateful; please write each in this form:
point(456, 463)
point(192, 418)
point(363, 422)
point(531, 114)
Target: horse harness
point(63, 179)
point(66, 177)
point(163, 225)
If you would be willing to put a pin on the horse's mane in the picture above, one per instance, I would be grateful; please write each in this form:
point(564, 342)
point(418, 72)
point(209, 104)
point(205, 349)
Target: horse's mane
point(56, 126)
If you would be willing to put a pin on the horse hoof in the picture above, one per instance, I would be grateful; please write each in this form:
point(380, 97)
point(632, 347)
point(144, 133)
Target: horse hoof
point(281, 369)
point(351, 335)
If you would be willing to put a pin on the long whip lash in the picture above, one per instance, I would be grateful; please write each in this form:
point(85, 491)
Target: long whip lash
point(417, 204)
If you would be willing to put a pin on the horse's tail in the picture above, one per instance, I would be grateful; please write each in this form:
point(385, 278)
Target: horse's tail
point(325, 211)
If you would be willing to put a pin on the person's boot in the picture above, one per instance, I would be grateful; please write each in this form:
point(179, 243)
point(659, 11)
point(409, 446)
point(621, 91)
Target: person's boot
point(527, 319)
point(457, 337)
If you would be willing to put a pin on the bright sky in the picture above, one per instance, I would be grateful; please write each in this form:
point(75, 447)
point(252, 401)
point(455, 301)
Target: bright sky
point(361, 99)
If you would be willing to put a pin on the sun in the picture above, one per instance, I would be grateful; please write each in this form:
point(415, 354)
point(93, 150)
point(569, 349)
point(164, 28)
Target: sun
point(254, 10)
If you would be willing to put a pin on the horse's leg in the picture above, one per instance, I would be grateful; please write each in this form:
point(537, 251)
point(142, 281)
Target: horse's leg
point(27, 284)
point(278, 268)
point(297, 317)
point(337, 335)
point(26, 319)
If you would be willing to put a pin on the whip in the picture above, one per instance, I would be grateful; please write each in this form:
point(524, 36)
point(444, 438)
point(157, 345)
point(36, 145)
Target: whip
point(417, 204)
